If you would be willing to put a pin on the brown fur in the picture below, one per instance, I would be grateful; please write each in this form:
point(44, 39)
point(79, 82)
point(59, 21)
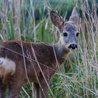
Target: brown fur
point(44, 53)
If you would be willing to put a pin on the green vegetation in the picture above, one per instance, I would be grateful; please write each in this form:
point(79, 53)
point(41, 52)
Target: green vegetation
point(77, 77)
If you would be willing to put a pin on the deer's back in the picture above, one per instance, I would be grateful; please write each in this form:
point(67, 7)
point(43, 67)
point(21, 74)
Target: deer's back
point(24, 57)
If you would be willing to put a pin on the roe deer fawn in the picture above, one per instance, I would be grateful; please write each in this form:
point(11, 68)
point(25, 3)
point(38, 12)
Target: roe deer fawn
point(22, 62)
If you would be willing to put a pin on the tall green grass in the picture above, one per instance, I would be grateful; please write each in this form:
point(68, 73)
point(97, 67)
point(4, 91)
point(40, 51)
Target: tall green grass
point(77, 77)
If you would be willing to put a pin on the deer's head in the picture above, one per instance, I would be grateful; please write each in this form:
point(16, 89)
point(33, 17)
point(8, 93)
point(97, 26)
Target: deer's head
point(68, 30)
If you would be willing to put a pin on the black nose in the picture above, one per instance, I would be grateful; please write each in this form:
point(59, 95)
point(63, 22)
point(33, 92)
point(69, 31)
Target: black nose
point(72, 46)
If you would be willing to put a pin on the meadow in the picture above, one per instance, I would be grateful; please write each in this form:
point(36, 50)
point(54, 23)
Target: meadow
point(29, 20)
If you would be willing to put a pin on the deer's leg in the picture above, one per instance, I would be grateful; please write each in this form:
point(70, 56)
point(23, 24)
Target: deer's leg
point(40, 90)
point(44, 89)
point(36, 90)
point(14, 89)
point(2, 89)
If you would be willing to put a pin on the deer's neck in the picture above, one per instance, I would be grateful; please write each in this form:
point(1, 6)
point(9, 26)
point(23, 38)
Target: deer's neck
point(61, 52)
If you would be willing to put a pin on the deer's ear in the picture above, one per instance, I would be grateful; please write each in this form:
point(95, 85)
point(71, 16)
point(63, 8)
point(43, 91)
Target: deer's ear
point(75, 15)
point(56, 19)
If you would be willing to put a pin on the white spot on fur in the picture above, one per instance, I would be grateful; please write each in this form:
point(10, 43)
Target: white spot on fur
point(7, 66)
point(1, 60)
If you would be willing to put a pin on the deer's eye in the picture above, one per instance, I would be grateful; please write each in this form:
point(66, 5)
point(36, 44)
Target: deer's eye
point(65, 34)
point(77, 34)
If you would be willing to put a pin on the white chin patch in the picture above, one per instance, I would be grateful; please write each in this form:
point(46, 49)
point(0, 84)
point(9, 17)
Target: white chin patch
point(7, 66)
